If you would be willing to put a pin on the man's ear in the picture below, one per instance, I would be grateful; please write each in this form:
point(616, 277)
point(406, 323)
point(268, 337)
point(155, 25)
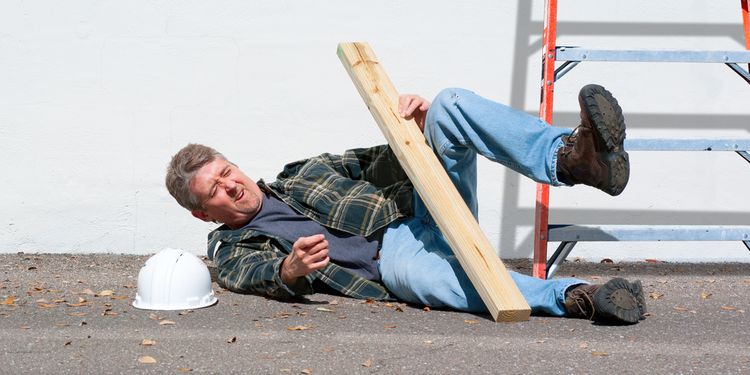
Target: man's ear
point(201, 215)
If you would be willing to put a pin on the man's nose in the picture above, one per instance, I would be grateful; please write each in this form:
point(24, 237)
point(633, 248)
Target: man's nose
point(228, 184)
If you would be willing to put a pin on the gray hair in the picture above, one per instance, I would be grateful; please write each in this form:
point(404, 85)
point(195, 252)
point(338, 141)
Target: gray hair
point(183, 167)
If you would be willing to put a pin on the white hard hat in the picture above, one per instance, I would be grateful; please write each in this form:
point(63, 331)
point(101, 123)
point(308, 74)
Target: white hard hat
point(174, 279)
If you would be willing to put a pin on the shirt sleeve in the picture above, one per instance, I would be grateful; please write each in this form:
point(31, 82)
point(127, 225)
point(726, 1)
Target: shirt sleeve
point(377, 165)
point(247, 268)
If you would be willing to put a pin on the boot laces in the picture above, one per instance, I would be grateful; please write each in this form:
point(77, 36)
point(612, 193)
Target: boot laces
point(569, 141)
point(582, 299)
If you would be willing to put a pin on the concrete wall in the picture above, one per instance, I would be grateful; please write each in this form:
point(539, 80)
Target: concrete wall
point(95, 96)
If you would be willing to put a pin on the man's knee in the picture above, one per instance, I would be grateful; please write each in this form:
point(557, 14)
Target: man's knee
point(447, 98)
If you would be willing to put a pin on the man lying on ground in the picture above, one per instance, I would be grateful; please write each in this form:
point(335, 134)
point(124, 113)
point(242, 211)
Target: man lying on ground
point(353, 224)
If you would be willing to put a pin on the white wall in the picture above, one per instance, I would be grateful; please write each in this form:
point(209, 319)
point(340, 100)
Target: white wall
point(95, 96)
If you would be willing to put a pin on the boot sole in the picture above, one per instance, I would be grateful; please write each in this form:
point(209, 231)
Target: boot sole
point(616, 302)
point(638, 292)
point(602, 111)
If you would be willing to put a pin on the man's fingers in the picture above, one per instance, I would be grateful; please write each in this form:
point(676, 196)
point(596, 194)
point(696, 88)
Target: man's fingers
point(320, 264)
point(407, 104)
point(318, 247)
point(413, 105)
point(403, 103)
point(303, 243)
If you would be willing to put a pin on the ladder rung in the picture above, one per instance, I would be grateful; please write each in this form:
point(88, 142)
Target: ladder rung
point(570, 232)
point(584, 54)
point(663, 144)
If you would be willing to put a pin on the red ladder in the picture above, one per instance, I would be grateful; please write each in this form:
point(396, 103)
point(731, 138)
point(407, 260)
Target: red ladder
point(549, 75)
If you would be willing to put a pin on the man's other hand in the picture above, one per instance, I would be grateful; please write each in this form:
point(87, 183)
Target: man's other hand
point(308, 254)
point(413, 107)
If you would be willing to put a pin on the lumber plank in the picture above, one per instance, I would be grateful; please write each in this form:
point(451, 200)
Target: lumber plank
point(472, 248)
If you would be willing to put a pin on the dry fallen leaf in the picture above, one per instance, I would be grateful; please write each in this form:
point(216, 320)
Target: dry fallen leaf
point(607, 261)
point(25, 327)
point(390, 326)
point(232, 339)
point(426, 308)
point(324, 309)
point(306, 371)
point(652, 261)
point(184, 369)
point(333, 302)
point(471, 321)
point(367, 363)
point(77, 314)
point(297, 328)
point(728, 308)
point(655, 295)
point(153, 316)
point(599, 354)
point(79, 304)
point(583, 345)
point(67, 343)
point(166, 322)
point(46, 305)
point(706, 295)
point(9, 301)
point(105, 293)
point(88, 291)
point(147, 360)
point(148, 342)
point(680, 308)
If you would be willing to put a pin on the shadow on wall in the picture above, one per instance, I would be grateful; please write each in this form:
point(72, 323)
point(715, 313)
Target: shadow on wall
point(514, 216)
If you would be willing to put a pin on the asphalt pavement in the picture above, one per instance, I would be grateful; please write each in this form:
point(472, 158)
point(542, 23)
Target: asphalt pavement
point(72, 314)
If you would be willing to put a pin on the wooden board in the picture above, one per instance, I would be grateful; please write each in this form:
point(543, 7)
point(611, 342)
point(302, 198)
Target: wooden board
point(484, 268)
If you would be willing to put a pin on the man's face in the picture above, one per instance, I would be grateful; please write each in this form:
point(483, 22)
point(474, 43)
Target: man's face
point(227, 195)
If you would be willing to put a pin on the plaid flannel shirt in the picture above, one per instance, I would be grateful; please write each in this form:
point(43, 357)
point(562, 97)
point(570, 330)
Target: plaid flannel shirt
point(359, 192)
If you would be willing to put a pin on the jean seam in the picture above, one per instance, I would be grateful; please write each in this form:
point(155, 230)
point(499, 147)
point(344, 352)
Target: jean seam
point(553, 165)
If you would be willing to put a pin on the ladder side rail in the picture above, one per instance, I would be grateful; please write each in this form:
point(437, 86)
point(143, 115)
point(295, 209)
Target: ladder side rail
point(746, 23)
point(541, 212)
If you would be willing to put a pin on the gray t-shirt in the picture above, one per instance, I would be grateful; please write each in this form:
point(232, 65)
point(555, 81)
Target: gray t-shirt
point(357, 254)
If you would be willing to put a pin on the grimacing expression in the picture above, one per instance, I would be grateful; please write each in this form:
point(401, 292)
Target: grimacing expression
point(227, 195)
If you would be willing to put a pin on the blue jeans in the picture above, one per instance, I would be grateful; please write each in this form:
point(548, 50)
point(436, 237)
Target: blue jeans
point(416, 263)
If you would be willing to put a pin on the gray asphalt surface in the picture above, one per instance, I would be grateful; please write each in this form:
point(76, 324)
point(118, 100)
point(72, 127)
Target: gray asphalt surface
point(57, 316)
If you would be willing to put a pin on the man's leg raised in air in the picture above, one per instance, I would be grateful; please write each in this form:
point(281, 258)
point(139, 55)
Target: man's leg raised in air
point(416, 263)
point(592, 154)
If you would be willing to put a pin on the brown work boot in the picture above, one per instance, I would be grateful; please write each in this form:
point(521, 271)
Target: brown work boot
point(615, 302)
point(594, 154)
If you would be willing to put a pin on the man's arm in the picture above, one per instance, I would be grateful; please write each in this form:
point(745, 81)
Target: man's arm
point(255, 267)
